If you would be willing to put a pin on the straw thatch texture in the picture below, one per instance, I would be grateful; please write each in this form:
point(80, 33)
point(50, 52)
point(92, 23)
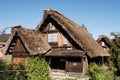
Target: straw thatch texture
point(4, 37)
point(76, 33)
point(65, 53)
point(34, 43)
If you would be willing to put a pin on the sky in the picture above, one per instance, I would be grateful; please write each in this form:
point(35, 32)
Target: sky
point(100, 17)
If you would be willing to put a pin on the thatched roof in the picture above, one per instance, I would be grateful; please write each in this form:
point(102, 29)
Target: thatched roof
point(65, 53)
point(77, 35)
point(34, 43)
point(106, 39)
point(4, 37)
point(2, 44)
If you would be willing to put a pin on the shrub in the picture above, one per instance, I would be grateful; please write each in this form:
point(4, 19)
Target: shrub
point(37, 69)
point(115, 52)
point(7, 72)
point(2, 68)
point(99, 72)
point(117, 78)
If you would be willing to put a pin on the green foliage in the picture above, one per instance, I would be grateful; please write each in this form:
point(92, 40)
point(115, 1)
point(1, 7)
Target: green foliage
point(7, 72)
point(2, 65)
point(98, 72)
point(38, 69)
point(117, 78)
point(115, 52)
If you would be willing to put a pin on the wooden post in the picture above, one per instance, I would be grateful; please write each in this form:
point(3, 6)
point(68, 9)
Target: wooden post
point(60, 39)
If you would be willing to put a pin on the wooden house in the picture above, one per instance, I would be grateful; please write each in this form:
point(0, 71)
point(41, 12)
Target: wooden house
point(24, 43)
point(3, 40)
point(68, 46)
point(4, 37)
point(2, 44)
point(105, 42)
point(70, 43)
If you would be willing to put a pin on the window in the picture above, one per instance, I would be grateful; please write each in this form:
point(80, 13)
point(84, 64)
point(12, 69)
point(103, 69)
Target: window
point(103, 44)
point(53, 37)
point(52, 27)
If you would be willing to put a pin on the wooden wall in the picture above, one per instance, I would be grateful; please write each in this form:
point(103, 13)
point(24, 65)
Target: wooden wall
point(69, 65)
point(19, 54)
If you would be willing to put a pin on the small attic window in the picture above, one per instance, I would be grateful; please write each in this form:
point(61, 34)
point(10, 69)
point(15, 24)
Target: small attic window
point(52, 27)
point(103, 44)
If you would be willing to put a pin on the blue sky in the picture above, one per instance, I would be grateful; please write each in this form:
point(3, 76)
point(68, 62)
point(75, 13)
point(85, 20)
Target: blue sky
point(99, 16)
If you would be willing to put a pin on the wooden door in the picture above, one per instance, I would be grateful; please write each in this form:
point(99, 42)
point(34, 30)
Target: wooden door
point(74, 66)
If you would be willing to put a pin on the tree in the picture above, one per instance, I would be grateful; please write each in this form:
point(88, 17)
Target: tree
point(4, 31)
point(99, 72)
point(115, 52)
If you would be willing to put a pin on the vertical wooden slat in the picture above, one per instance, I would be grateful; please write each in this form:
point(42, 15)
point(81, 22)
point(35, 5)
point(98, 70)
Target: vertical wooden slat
point(78, 67)
point(60, 39)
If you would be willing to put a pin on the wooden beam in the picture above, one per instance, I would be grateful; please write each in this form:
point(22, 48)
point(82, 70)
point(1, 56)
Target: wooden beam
point(47, 28)
point(52, 31)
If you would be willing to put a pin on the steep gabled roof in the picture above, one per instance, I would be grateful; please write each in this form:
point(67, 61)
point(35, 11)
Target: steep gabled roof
point(78, 36)
point(106, 39)
point(34, 43)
